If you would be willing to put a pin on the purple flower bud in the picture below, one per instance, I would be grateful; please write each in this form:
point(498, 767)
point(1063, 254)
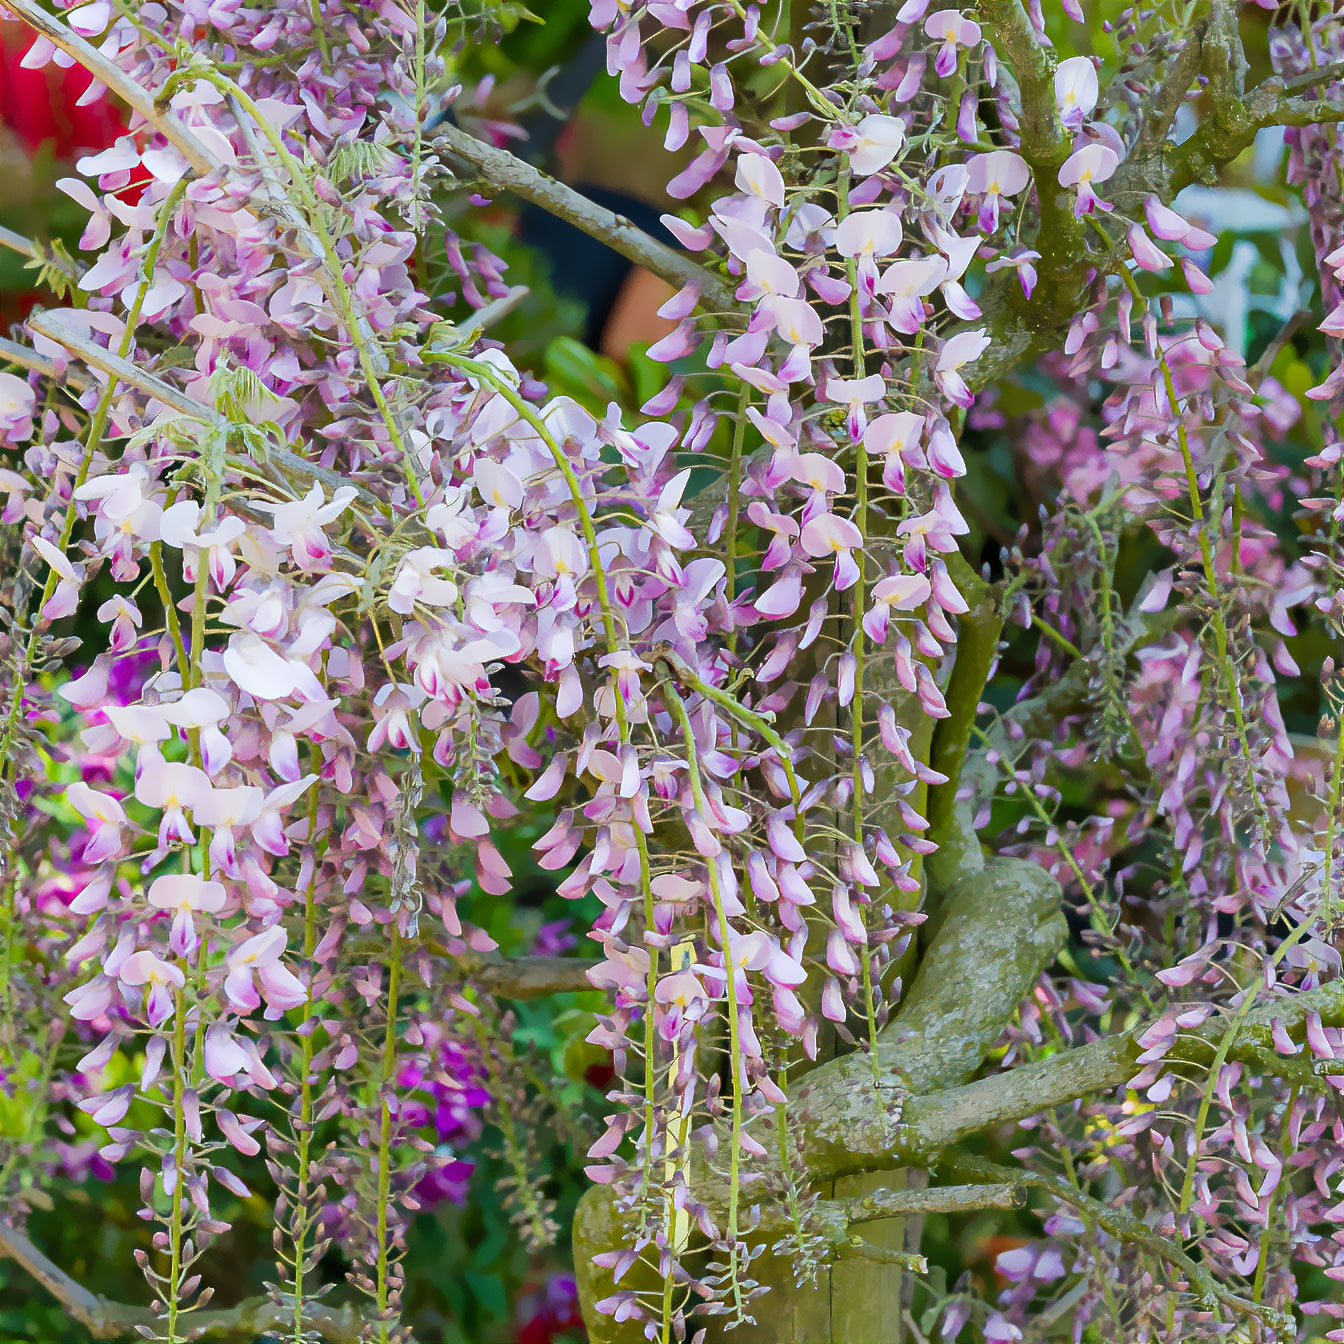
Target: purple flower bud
point(1196, 281)
point(1145, 252)
point(968, 129)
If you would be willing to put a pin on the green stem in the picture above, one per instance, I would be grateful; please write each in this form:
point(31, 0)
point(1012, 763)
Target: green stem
point(1217, 616)
point(169, 610)
point(1267, 1232)
point(307, 1048)
point(320, 31)
point(417, 146)
point(1250, 995)
point(173, 1305)
point(819, 101)
point(382, 1282)
point(528, 414)
point(340, 291)
point(858, 600)
point(678, 708)
point(1220, 631)
point(758, 723)
point(735, 504)
point(1057, 636)
point(1332, 818)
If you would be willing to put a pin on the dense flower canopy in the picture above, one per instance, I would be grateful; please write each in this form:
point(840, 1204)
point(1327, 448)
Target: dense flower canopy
point(369, 592)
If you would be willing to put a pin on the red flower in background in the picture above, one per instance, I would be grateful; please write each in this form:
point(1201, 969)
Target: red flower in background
point(550, 1311)
point(40, 112)
point(41, 107)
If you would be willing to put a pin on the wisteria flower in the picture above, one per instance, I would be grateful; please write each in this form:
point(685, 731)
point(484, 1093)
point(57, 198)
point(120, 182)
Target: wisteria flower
point(124, 617)
point(868, 234)
point(897, 592)
point(257, 961)
point(945, 191)
point(142, 725)
point(758, 177)
point(958, 351)
point(179, 526)
point(562, 556)
point(774, 432)
point(994, 176)
point(856, 393)
point(896, 437)
point(877, 140)
point(224, 1059)
point(758, 951)
point(1076, 91)
point(937, 529)
point(959, 253)
point(70, 579)
point(16, 491)
point(822, 474)
point(185, 894)
point(1145, 252)
point(171, 788)
point(159, 979)
point(298, 524)
point(268, 826)
point(224, 811)
point(102, 808)
point(265, 673)
point(956, 32)
point(126, 501)
point(203, 710)
point(395, 706)
point(1019, 259)
point(1171, 226)
point(905, 285)
point(1093, 163)
point(18, 403)
point(829, 534)
point(416, 580)
point(798, 324)
point(683, 998)
point(768, 273)
point(668, 518)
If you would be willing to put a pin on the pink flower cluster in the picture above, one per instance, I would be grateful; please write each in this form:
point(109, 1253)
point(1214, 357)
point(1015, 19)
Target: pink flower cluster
point(355, 519)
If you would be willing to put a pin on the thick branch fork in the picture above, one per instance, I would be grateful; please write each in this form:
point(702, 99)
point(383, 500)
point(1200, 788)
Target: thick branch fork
point(996, 930)
point(999, 928)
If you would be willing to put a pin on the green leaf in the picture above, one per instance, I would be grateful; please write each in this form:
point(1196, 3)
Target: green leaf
point(590, 378)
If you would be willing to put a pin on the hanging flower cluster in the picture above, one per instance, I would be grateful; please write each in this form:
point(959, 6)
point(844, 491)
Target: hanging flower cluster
point(747, 709)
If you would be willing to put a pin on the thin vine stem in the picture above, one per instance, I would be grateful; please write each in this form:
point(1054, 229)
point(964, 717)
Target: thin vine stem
point(858, 598)
point(345, 303)
point(724, 929)
point(382, 1283)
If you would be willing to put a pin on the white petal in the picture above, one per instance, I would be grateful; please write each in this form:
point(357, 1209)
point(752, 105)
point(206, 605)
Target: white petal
point(258, 669)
